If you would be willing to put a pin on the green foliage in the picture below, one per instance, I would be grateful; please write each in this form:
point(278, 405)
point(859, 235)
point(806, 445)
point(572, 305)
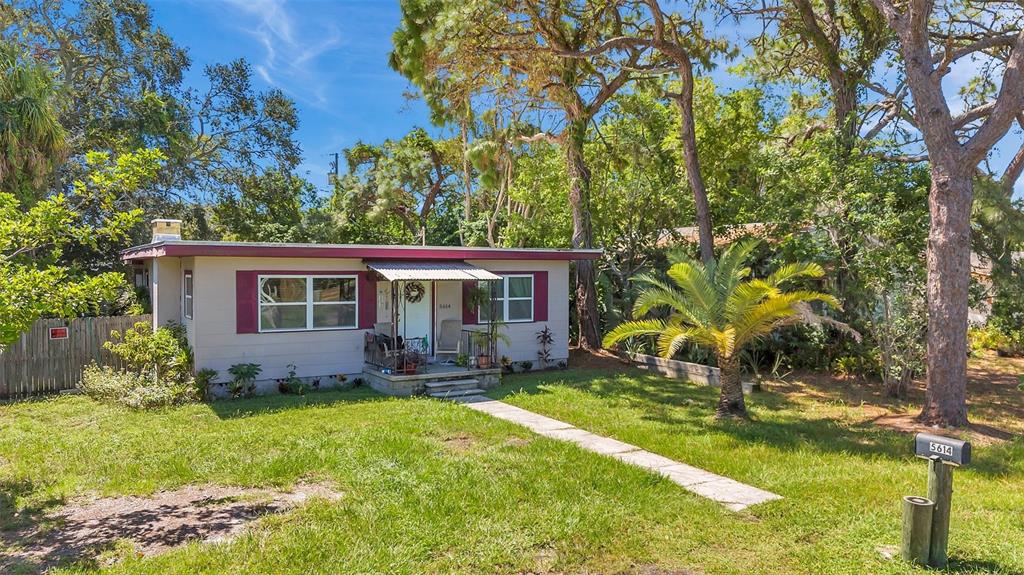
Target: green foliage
point(993, 338)
point(715, 306)
point(545, 339)
point(272, 206)
point(406, 180)
point(292, 383)
point(162, 355)
point(244, 377)
point(32, 140)
point(34, 281)
point(205, 379)
point(135, 390)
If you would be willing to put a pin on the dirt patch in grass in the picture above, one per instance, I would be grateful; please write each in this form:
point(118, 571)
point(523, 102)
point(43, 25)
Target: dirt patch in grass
point(459, 443)
point(151, 525)
point(604, 360)
point(995, 405)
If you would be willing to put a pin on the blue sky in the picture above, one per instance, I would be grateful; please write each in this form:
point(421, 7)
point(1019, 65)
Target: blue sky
point(330, 57)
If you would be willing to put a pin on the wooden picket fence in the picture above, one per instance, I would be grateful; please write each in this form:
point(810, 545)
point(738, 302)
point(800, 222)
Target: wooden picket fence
point(37, 365)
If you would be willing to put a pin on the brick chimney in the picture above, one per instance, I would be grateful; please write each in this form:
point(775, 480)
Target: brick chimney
point(166, 230)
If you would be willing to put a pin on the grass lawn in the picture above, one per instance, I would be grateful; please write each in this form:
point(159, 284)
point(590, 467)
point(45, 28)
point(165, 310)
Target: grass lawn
point(432, 487)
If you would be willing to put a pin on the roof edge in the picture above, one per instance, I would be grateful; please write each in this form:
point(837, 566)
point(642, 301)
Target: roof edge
point(184, 248)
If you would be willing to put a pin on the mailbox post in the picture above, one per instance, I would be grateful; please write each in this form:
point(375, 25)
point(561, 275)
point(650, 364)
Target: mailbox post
point(943, 454)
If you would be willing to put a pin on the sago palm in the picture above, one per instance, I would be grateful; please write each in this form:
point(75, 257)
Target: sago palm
point(718, 306)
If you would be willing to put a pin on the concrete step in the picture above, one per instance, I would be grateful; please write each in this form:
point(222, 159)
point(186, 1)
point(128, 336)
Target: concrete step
point(455, 393)
point(451, 384)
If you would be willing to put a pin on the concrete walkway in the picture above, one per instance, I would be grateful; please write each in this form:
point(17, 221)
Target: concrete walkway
point(732, 494)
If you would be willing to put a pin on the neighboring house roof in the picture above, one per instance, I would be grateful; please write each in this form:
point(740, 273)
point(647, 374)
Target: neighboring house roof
point(691, 234)
point(184, 248)
point(982, 266)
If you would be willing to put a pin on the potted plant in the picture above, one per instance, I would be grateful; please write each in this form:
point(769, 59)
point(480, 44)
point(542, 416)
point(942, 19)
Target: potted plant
point(412, 361)
point(481, 342)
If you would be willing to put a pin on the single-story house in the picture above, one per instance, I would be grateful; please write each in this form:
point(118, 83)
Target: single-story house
point(334, 313)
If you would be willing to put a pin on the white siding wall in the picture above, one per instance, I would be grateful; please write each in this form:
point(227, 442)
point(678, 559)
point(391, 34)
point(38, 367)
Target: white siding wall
point(523, 336)
point(322, 353)
point(165, 290)
point(314, 353)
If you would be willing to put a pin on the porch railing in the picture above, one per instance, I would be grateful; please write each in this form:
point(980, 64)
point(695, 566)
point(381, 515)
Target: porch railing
point(405, 357)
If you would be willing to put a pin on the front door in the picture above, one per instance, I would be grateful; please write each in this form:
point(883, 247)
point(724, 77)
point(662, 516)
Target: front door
point(414, 313)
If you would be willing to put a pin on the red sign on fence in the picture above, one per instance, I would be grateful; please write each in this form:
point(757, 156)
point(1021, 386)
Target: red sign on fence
point(58, 333)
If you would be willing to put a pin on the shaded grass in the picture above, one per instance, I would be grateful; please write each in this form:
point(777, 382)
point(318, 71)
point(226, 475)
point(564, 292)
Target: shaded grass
point(842, 479)
point(431, 487)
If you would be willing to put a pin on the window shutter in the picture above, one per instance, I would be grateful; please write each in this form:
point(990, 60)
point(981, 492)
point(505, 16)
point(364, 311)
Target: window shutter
point(468, 315)
point(247, 305)
point(540, 296)
point(367, 300)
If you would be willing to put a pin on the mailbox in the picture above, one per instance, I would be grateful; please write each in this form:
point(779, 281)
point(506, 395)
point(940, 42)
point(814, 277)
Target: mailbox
point(947, 449)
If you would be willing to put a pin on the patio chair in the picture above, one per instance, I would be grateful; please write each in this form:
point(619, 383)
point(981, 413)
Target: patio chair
point(450, 340)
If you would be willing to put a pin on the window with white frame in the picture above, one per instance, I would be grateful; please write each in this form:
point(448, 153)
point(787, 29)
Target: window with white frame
point(187, 291)
point(513, 300)
point(296, 302)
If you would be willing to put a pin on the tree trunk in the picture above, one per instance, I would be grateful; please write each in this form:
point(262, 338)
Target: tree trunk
point(467, 180)
point(688, 138)
point(949, 274)
point(730, 397)
point(582, 234)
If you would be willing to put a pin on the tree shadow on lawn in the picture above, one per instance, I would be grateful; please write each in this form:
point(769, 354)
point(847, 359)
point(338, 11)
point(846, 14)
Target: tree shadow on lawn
point(784, 424)
point(274, 403)
point(10, 517)
point(964, 565)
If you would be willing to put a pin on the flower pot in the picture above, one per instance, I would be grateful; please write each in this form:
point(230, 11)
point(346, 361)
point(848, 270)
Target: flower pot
point(483, 362)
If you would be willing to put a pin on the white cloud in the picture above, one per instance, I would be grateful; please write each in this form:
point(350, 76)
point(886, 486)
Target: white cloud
point(291, 47)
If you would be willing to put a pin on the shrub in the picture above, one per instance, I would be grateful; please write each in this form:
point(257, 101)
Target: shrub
point(526, 365)
point(133, 390)
point(163, 354)
point(205, 379)
point(291, 383)
point(158, 369)
point(244, 382)
point(992, 338)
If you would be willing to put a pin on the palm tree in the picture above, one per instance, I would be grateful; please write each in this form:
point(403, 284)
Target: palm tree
point(32, 141)
point(714, 305)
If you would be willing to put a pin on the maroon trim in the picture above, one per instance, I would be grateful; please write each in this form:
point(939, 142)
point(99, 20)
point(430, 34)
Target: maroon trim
point(367, 298)
point(355, 252)
point(247, 306)
point(540, 296)
point(468, 315)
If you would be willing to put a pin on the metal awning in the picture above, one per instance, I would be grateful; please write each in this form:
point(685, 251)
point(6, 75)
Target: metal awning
point(431, 271)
